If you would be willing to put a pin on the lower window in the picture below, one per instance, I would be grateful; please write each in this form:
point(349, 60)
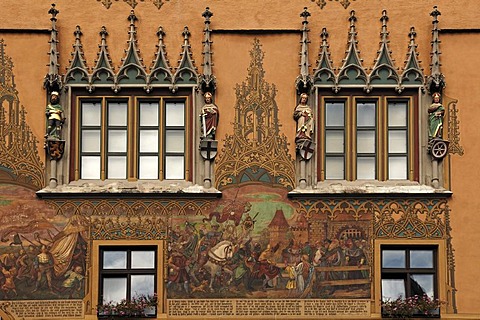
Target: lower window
point(128, 277)
point(410, 273)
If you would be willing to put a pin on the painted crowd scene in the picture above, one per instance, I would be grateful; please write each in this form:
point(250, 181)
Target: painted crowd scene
point(254, 244)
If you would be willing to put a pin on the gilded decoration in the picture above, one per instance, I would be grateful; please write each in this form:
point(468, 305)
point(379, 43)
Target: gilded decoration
point(19, 159)
point(257, 151)
point(323, 3)
point(133, 3)
point(133, 220)
point(453, 128)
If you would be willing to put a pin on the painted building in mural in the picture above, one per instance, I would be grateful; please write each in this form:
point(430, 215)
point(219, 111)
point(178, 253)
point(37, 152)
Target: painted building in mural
point(176, 159)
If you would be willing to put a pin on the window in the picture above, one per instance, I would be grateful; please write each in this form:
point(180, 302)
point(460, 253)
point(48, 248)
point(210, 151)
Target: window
point(366, 138)
point(127, 272)
point(132, 138)
point(408, 271)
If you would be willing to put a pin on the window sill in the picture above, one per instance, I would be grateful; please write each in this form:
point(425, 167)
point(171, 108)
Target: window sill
point(369, 188)
point(128, 189)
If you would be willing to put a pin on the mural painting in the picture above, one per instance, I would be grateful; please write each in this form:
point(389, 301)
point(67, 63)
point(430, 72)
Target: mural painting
point(254, 244)
point(42, 255)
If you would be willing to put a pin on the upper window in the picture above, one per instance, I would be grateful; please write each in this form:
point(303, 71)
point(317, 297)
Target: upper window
point(366, 138)
point(132, 138)
point(408, 271)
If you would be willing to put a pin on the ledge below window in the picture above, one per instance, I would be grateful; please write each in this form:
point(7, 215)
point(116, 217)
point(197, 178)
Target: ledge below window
point(128, 189)
point(368, 189)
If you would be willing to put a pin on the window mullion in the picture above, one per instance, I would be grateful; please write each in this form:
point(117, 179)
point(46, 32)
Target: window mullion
point(103, 144)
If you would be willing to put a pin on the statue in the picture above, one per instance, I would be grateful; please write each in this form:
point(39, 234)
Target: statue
point(436, 112)
point(209, 118)
point(55, 119)
point(305, 121)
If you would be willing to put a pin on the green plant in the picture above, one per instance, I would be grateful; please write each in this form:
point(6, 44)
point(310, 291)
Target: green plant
point(128, 307)
point(410, 307)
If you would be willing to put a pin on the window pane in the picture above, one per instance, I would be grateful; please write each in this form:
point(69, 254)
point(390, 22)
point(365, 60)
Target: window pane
point(393, 289)
point(114, 289)
point(334, 141)
point(143, 259)
point(91, 114)
point(174, 114)
point(117, 141)
point(393, 259)
point(366, 114)
point(397, 114)
point(149, 141)
point(421, 284)
point(148, 167)
point(174, 167)
point(397, 168)
point(421, 258)
point(397, 141)
point(174, 141)
point(117, 113)
point(90, 168)
point(117, 167)
point(149, 114)
point(366, 168)
point(366, 141)
point(334, 114)
point(142, 284)
point(114, 260)
point(90, 140)
point(334, 168)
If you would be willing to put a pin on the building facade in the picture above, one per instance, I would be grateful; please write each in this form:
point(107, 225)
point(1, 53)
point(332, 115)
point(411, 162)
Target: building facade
point(175, 159)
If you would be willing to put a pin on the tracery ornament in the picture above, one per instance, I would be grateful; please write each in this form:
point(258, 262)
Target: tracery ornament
point(132, 71)
point(144, 219)
point(405, 218)
point(352, 73)
point(323, 3)
point(19, 159)
point(133, 3)
point(257, 152)
point(454, 129)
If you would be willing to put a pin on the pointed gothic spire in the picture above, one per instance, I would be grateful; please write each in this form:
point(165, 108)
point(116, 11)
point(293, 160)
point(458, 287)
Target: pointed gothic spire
point(384, 61)
point(412, 73)
point(186, 72)
point(52, 80)
point(304, 82)
point(77, 72)
point(132, 60)
point(352, 61)
point(324, 73)
point(208, 81)
point(160, 72)
point(103, 72)
point(436, 80)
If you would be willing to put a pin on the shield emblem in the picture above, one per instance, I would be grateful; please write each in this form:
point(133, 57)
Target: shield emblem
point(208, 149)
point(55, 149)
point(306, 150)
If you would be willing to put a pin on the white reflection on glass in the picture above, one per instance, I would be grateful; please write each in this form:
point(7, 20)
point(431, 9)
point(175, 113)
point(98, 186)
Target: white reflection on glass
point(143, 259)
point(114, 289)
point(366, 114)
point(421, 258)
point(421, 284)
point(397, 114)
point(393, 259)
point(91, 114)
point(142, 284)
point(392, 289)
point(114, 260)
point(397, 168)
point(334, 168)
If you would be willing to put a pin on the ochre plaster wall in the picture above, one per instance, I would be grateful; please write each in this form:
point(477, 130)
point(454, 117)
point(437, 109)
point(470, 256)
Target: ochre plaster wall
point(460, 62)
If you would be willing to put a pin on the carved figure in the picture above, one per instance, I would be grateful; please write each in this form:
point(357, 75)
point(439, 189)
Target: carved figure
point(303, 114)
point(209, 118)
point(55, 119)
point(436, 112)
